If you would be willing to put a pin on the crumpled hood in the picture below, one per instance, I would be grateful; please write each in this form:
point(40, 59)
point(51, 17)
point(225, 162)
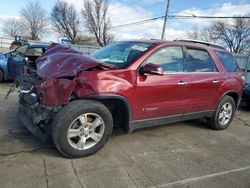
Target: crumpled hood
point(59, 61)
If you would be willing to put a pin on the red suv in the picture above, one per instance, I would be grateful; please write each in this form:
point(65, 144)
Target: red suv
point(77, 100)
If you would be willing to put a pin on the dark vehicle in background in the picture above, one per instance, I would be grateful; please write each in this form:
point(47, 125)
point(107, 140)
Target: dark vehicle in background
point(24, 55)
point(244, 62)
point(18, 42)
point(77, 100)
point(15, 44)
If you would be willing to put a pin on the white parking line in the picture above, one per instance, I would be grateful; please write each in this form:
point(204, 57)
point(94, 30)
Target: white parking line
point(190, 180)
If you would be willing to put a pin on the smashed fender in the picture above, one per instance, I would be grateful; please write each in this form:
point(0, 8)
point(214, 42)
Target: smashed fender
point(57, 91)
point(59, 61)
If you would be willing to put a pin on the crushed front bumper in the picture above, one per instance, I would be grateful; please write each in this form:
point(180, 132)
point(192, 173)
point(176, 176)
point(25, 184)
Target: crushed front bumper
point(36, 117)
point(37, 131)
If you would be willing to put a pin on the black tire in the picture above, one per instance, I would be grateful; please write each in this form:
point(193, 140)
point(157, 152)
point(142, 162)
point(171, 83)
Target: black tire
point(67, 115)
point(1, 75)
point(214, 121)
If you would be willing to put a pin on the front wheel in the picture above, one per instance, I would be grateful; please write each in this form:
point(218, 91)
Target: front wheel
point(81, 128)
point(223, 115)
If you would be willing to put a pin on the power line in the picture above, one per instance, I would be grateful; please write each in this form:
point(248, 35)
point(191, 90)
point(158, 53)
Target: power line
point(207, 8)
point(139, 22)
point(209, 17)
point(179, 17)
point(120, 18)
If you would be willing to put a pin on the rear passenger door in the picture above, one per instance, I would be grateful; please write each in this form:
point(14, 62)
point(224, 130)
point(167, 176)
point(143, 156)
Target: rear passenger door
point(203, 81)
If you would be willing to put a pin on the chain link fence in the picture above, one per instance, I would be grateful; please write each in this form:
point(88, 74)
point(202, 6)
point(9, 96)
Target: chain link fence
point(5, 43)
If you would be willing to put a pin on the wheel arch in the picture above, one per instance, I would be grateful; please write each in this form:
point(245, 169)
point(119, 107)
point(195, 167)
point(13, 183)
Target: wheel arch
point(117, 105)
point(235, 95)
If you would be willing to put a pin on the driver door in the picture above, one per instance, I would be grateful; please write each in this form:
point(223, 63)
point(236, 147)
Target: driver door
point(15, 64)
point(158, 96)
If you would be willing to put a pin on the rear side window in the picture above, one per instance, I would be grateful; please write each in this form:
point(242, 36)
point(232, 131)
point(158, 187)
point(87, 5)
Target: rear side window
point(198, 60)
point(227, 61)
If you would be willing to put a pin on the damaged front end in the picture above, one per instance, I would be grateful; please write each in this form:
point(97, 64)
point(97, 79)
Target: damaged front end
point(45, 92)
point(33, 114)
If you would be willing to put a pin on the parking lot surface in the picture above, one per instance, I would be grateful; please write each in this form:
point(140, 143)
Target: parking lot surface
point(187, 154)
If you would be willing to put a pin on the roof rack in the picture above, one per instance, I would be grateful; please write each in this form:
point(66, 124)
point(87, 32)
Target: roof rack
point(201, 42)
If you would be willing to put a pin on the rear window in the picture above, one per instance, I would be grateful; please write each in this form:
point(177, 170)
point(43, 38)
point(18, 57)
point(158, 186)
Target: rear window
point(199, 61)
point(227, 61)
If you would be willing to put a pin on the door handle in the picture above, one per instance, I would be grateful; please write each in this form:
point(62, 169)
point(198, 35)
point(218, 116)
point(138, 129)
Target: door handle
point(216, 81)
point(181, 83)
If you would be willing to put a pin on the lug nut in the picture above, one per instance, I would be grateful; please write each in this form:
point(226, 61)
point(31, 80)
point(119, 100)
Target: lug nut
point(90, 132)
point(86, 135)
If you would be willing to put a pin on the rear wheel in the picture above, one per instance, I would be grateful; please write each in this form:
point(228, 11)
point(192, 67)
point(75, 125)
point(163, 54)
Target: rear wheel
point(223, 115)
point(82, 128)
point(1, 75)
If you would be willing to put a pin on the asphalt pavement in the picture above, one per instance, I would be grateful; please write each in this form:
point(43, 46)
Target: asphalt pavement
point(186, 154)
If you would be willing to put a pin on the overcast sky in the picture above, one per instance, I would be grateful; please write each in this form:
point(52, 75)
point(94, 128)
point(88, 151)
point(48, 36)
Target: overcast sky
point(127, 11)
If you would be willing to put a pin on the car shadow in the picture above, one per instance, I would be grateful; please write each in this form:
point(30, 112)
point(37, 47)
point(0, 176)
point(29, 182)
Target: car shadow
point(243, 107)
point(198, 123)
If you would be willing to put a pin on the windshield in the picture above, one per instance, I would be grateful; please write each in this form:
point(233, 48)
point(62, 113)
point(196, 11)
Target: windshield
point(121, 54)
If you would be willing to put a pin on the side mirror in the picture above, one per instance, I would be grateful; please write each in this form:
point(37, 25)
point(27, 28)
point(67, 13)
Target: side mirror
point(151, 68)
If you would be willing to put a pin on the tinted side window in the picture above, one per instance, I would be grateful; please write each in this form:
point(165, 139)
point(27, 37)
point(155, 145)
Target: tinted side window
point(227, 61)
point(199, 61)
point(169, 58)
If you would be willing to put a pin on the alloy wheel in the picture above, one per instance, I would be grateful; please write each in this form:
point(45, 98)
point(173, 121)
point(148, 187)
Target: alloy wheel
point(85, 131)
point(225, 113)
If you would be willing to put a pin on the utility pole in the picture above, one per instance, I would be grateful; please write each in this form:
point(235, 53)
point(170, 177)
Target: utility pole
point(165, 20)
